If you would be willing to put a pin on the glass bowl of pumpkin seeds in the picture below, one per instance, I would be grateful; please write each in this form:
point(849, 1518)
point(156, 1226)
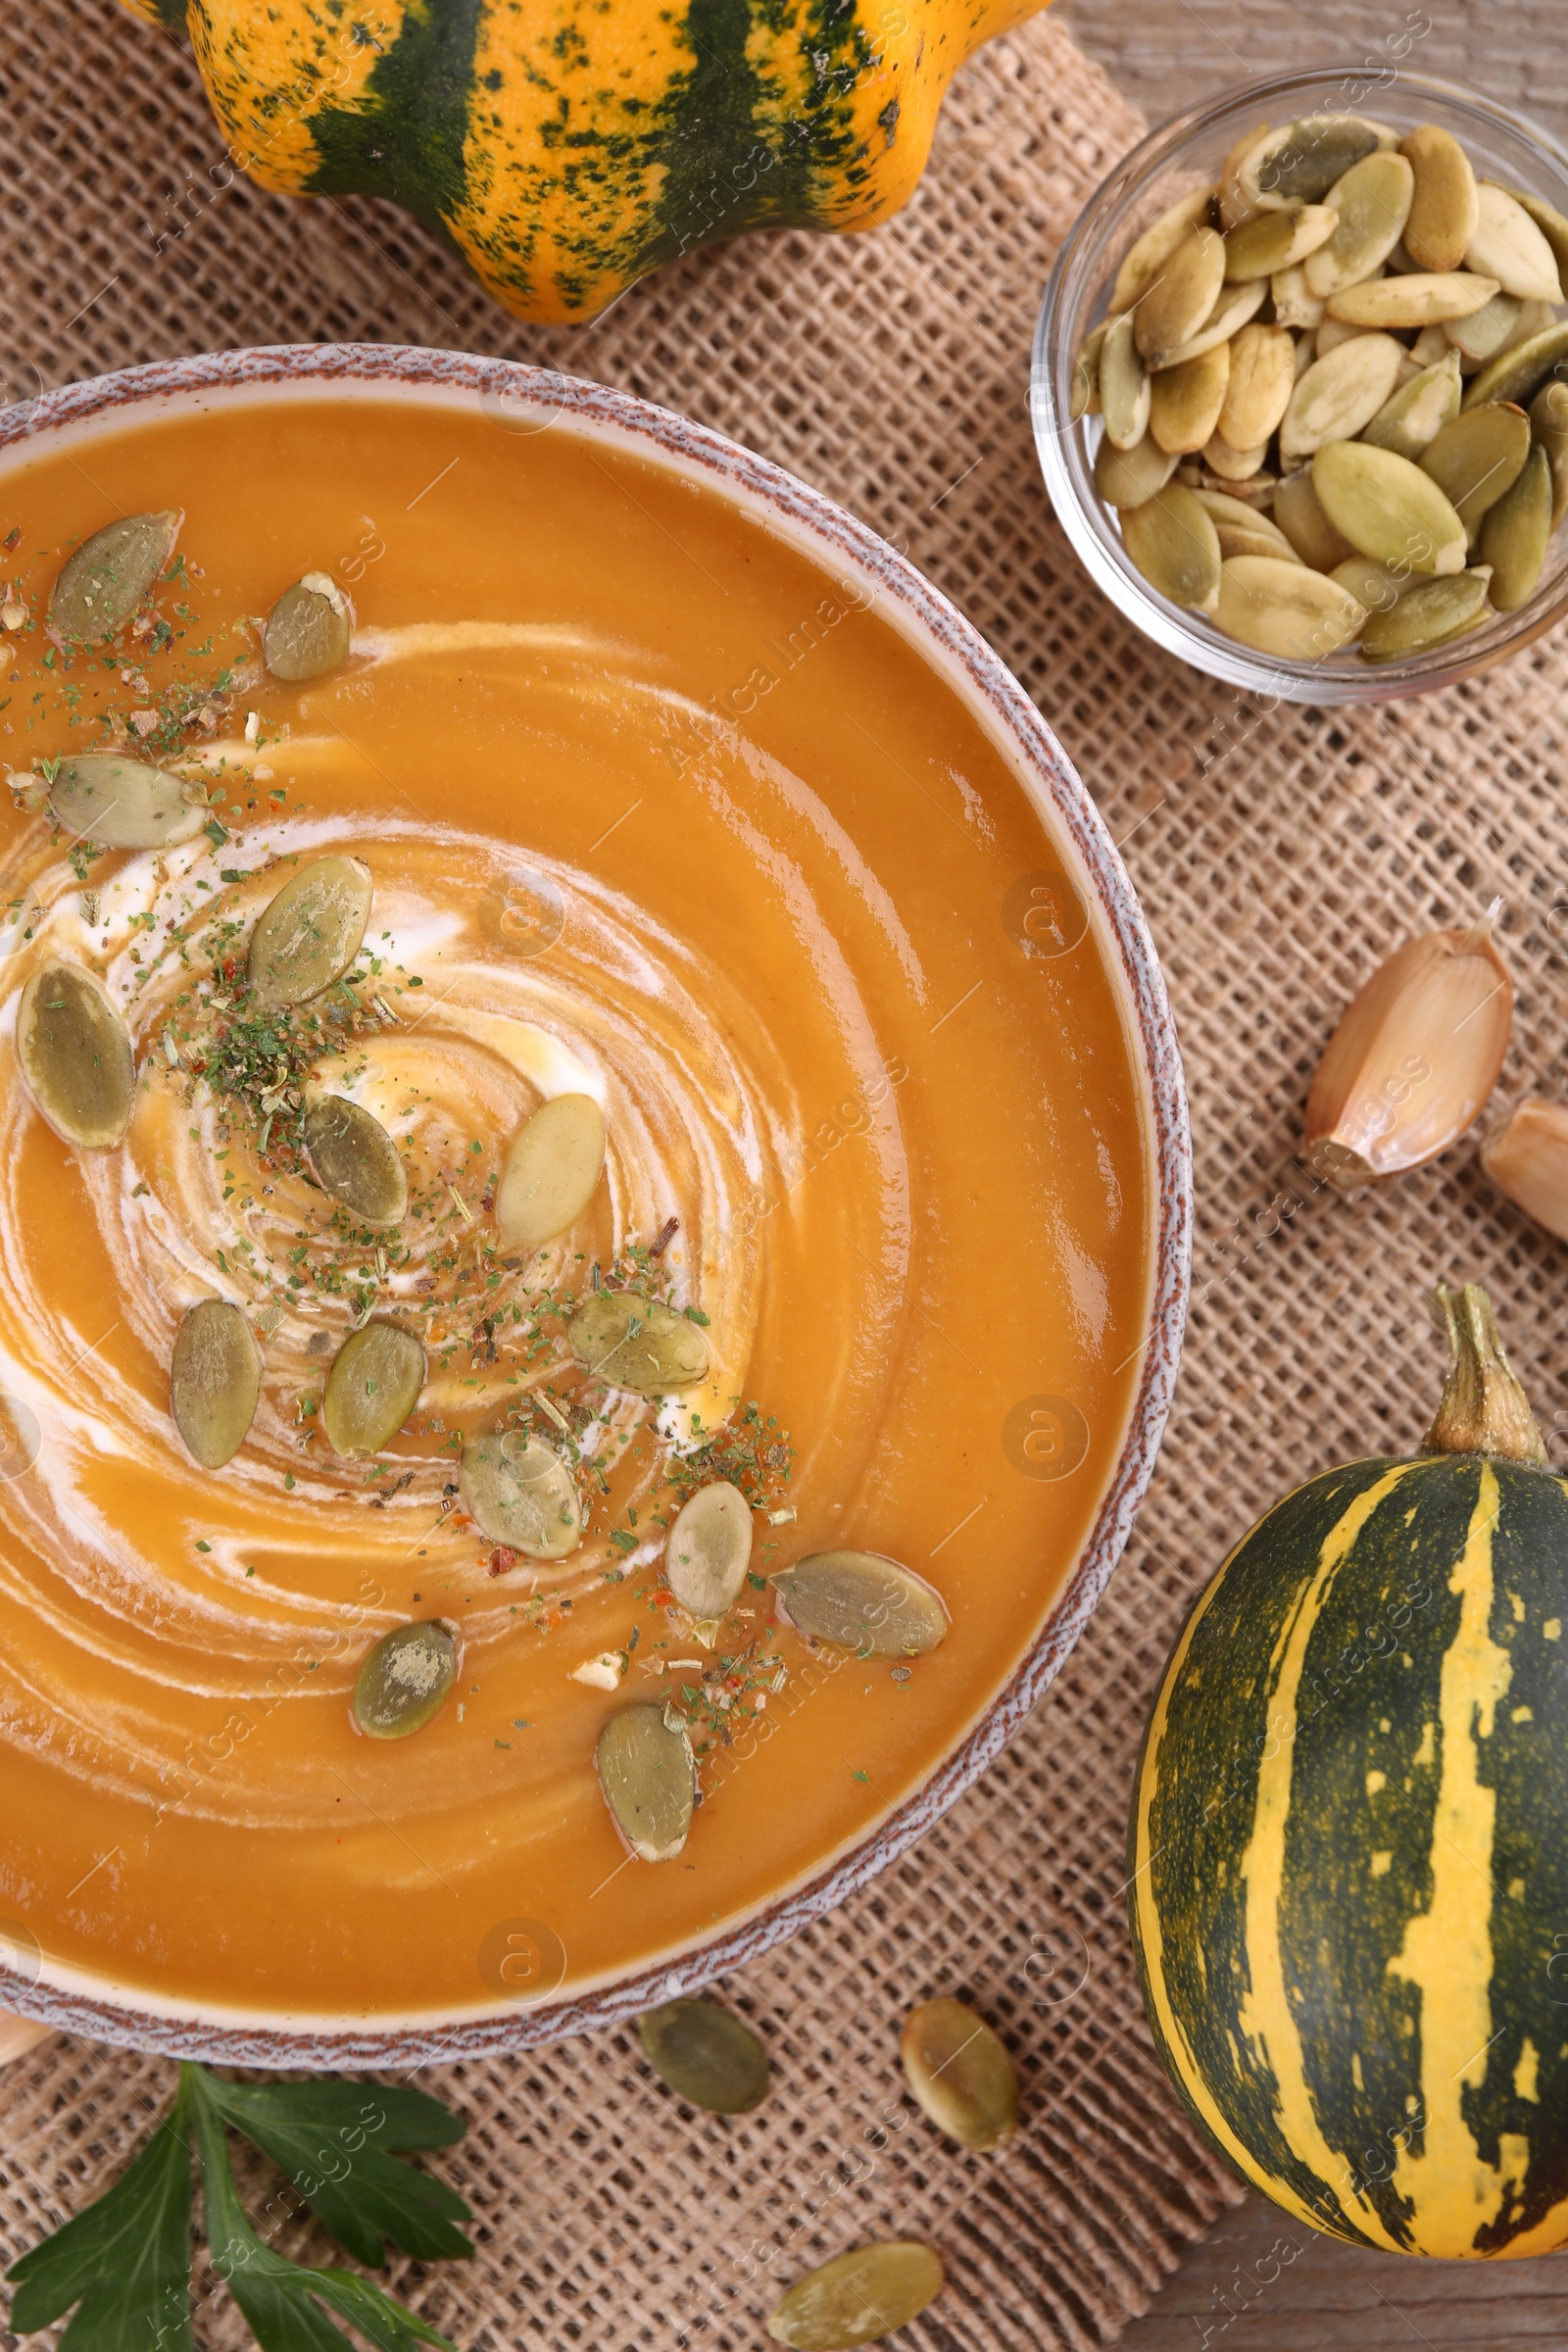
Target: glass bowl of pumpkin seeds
point(1301, 385)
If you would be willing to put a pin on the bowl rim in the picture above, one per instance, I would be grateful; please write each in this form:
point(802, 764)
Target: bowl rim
point(1163, 624)
point(97, 2008)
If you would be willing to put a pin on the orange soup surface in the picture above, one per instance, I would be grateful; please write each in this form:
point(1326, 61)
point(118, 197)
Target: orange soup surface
point(655, 811)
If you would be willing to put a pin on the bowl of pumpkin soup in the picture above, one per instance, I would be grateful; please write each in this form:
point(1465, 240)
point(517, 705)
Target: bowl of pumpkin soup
point(594, 1205)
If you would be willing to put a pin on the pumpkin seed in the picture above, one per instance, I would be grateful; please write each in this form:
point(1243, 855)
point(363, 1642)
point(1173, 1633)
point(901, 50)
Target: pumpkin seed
point(214, 1381)
point(1229, 203)
point(1285, 610)
point(1373, 201)
point(1125, 477)
point(1430, 346)
point(1276, 241)
point(124, 805)
point(1515, 533)
point(1548, 422)
point(1340, 394)
point(708, 1552)
point(858, 1600)
point(1412, 418)
point(1084, 398)
point(636, 1343)
point(1258, 489)
point(372, 1388)
point(1180, 299)
point(101, 585)
point(649, 1781)
point(1174, 545)
point(1305, 160)
point(1186, 401)
point(1475, 459)
point(1331, 334)
point(858, 2299)
point(1482, 336)
point(1508, 245)
point(1228, 514)
point(74, 1054)
point(1444, 210)
point(1239, 466)
point(1552, 225)
point(1372, 584)
point(1295, 304)
point(309, 933)
point(1256, 542)
point(1301, 516)
point(1147, 255)
point(353, 1158)
point(705, 2055)
point(1388, 509)
point(403, 1680)
point(1430, 614)
point(550, 1171)
point(1257, 392)
point(519, 1490)
point(1519, 375)
point(960, 2073)
point(307, 630)
point(1418, 300)
point(1233, 306)
point(1124, 387)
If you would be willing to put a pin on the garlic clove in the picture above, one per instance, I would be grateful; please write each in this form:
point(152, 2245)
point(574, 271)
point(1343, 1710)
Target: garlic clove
point(1415, 1056)
point(1529, 1161)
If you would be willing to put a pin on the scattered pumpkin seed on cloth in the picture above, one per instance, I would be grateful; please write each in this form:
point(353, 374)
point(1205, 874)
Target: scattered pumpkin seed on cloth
point(1355, 337)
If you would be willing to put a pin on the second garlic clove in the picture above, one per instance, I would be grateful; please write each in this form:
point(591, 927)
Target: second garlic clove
point(1529, 1161)
point(1415, 1056)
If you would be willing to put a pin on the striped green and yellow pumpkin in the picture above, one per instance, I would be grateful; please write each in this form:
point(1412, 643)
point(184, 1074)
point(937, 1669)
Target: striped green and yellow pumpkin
point(1349, 1853)
point(568, 146)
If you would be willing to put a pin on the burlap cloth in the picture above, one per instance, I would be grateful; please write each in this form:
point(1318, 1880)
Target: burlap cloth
point(1278, 853)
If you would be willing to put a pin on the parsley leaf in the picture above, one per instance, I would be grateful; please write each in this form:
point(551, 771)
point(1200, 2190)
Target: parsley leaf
point(125, 2259)
point(334, 2138)
point(281, 2299)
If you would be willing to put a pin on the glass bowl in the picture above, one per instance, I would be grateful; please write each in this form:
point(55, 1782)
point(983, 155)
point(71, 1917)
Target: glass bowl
point(1183, 155)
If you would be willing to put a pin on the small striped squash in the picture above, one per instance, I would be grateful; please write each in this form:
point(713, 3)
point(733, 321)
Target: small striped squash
point(566, 146)
point(1349, 1852)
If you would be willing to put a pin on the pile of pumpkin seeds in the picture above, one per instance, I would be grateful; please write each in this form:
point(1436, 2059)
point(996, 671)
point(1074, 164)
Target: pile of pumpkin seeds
point(1333, 393)
point(77, 1061)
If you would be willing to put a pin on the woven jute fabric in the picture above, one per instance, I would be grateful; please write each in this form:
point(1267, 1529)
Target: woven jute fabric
point(1279, 853)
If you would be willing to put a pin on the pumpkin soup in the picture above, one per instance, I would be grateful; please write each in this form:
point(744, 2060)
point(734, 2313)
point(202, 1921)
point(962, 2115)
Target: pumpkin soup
point(575, 1210)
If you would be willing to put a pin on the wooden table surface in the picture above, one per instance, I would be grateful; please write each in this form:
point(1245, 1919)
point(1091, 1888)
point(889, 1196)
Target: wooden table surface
point(1261, 2284)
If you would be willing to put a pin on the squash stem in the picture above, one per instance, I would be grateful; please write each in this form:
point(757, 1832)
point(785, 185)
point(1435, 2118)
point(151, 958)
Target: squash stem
point(1484, 1409)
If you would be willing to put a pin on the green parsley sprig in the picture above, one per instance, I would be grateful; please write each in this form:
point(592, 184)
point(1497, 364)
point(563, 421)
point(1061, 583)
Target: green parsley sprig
point(125, 2259)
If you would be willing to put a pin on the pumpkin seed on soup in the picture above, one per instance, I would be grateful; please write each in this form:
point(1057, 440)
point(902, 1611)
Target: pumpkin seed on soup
point(636, 1343)
point(705, 2055)
point(103, 583)
point(403, 1680)
point(214, 1381)
point(550, 1171)
point(960, 2073)
point(862, 1602)
point(124, 804)
point(858, 2299)
point(308, 935)
point(76, 1055)
point(519, 1491)
point(307, 630)
point(649, 1781)
point(709, 1552)
point(371, 1389)
point(354, 1159)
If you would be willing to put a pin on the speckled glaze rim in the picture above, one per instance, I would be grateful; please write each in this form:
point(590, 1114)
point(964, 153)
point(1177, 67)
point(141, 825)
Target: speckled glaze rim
point(802, 515)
